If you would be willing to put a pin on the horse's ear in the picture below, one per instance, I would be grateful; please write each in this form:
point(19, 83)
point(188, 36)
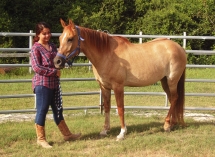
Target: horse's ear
point(71, 23)
point(62, 23)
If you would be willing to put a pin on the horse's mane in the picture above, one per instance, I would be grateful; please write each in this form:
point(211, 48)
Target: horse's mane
point(101, 40)
point(123, 39)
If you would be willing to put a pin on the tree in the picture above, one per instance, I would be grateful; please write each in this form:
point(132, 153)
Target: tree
point(25, 14)
point(153, 17)
point(4, 26)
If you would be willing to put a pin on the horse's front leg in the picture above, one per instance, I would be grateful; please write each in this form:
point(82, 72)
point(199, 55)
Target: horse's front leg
point(119, 95)
point(106, 95)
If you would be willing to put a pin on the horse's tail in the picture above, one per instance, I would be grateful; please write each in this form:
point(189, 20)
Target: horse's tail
point(181, 99)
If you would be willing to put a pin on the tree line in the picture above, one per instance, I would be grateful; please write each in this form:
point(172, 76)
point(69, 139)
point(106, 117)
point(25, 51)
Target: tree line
point(152, 17)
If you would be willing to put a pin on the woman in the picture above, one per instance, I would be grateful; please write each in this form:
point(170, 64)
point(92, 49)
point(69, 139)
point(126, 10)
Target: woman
point(46, 85)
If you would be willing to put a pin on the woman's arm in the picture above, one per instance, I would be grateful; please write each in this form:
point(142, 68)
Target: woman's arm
point(37, 65)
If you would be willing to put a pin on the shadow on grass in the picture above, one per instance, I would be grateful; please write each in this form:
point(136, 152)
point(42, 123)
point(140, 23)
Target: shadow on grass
point(152, 127)
point(144, 129)
point(139, 129)
point(199, 124)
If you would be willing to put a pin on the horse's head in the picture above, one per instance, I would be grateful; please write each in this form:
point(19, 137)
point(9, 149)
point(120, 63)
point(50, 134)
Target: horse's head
point(69, 44)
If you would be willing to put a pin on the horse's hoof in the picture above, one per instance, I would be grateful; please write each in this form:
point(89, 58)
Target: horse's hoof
point(120, 137)
point(103, 133)
point(167, 130)
point(167, 127)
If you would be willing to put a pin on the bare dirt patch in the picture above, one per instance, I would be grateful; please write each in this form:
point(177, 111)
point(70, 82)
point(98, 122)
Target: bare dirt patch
point(21, 117)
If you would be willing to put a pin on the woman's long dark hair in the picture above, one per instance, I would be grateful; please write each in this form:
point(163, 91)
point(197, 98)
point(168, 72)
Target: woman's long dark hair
point(39, 27)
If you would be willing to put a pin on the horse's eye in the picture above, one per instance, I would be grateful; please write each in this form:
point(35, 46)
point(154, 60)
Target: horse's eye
point(70, 39)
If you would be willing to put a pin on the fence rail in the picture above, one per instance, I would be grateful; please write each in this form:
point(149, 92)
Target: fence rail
point(140, 36)
point(89, 64)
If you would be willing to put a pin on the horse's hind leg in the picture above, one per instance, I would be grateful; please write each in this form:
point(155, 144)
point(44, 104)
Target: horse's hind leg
point(106, 95)
point(172, 95)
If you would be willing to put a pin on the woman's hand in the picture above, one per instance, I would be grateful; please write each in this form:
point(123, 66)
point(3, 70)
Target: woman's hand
point(58, 73)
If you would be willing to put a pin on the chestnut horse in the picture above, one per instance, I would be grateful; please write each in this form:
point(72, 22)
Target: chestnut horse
point(118, 63)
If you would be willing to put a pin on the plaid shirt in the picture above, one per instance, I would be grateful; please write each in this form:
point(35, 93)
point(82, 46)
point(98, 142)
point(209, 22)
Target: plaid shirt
point(43, 66)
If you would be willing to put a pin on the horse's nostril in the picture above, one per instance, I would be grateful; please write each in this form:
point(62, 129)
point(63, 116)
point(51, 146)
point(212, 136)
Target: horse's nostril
point(58, 61)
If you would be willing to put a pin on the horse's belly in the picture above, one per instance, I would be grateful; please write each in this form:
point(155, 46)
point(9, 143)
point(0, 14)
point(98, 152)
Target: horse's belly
point(140, 83)
point(144, 79)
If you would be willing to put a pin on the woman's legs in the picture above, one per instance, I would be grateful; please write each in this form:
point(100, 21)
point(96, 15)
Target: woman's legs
point(44, 96)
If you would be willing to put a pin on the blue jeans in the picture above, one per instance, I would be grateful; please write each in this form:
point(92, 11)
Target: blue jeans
point(44, 98)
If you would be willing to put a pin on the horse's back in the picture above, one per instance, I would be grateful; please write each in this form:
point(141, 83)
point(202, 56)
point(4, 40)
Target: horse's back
point(151, 61)
point(158, 50)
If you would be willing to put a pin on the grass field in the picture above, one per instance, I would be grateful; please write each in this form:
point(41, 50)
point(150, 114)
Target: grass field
point(145, 138)
point(93, 100)
point(145, 134)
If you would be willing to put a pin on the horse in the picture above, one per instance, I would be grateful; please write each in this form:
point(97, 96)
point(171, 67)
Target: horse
point(118, 63)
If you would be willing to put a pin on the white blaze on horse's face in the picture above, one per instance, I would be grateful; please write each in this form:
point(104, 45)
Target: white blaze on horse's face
point(68, 40)
point(64, 37)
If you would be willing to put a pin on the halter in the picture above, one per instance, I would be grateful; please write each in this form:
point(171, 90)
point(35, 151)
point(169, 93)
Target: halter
point(74, 51)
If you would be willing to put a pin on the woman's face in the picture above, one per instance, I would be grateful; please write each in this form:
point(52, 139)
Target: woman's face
point(44, 35)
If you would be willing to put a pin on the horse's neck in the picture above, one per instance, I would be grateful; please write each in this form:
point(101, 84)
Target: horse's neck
point(94, 57)
point(93, 46)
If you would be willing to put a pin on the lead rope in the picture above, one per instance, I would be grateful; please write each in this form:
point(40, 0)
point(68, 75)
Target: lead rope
point(58, 98)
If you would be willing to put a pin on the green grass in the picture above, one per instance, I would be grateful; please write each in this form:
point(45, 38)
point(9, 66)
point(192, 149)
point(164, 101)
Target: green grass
point(92, 100)
point(145, 137)
point(145, 134)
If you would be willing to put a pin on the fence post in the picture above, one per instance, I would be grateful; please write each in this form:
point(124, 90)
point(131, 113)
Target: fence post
point(184, 40)
point(166, 100)
point(30, 46)
point(140, 39)
point(101, 102)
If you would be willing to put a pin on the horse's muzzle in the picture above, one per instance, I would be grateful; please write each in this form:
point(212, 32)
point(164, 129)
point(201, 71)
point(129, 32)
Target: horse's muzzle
point(59, 62)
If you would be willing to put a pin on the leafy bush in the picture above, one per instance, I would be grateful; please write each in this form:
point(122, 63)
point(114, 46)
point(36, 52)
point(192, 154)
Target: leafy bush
point(201, 59)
